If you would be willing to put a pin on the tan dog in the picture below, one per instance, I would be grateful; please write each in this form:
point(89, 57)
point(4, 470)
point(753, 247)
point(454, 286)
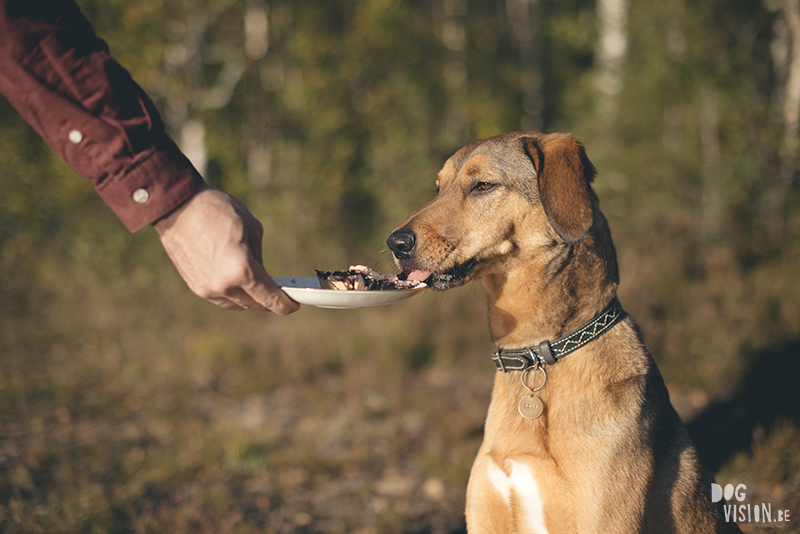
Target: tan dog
point(599, 448)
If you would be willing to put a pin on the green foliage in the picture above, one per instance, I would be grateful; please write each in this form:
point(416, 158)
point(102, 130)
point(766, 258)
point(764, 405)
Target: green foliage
point(127, 404)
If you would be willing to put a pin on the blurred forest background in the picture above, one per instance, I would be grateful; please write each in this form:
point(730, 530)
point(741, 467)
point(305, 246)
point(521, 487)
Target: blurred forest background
point(127, 404)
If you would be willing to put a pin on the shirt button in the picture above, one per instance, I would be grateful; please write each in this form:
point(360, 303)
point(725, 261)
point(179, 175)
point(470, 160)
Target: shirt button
point(140, 196)
point(75, 136)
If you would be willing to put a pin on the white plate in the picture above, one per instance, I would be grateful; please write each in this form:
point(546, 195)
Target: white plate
point(306, 290)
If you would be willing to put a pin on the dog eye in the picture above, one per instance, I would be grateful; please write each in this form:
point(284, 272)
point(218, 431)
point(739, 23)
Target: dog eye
point(483, 186)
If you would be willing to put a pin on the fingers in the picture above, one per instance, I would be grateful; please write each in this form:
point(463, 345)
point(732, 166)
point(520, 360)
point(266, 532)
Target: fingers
point(262, 299)
point(247, 286)
point(261, 289)
point(226, 303)
point(255, 235)
point(265, 292)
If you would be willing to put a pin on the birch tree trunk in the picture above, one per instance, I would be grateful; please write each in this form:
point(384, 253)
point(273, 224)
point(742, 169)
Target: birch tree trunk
point(785, 49)
point(610, 55)
point(523, 27)
point(187, 58)
point(454, 38)
point(791, 103)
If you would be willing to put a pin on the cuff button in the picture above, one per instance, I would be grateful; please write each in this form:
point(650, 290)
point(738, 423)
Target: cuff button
point(75, 136)
point(140, 196)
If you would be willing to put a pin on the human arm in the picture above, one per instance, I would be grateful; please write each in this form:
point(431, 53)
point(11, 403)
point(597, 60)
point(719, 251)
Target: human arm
point(61, 78)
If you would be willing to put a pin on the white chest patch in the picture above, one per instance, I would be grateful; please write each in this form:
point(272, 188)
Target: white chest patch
point(522, 486)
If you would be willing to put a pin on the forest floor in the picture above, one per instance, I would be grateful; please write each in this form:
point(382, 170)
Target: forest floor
point(320, 422)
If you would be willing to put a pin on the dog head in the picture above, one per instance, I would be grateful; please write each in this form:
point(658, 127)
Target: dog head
point(503, 201)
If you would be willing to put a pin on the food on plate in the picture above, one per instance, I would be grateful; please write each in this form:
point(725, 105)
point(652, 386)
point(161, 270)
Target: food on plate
point(362, 278)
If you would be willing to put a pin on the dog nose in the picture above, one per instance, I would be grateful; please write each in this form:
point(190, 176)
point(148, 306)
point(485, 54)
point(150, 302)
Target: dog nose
point(401, 243)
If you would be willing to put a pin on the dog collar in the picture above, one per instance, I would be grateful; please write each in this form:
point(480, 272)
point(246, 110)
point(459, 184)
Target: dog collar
point(549, 352)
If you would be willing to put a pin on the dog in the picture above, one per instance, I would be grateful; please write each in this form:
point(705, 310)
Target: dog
point(580, 435)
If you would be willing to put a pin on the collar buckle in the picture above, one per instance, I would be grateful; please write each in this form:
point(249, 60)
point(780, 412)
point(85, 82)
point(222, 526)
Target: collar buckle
point(548, 353)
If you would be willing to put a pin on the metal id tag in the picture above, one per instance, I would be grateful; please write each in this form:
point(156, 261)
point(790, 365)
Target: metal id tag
point(531, 407)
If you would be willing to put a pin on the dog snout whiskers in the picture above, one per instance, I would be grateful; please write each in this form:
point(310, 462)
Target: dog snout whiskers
point(401, 243)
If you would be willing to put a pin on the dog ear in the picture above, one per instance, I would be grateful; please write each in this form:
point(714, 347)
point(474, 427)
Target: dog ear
point(564, 173)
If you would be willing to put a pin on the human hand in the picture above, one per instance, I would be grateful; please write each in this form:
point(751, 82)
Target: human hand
point(215, 244)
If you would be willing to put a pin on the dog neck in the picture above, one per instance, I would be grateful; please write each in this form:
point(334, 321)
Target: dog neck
point(550, 294)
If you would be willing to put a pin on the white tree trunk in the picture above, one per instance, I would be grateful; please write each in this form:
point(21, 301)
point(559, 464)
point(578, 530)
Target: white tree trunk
point(523, 26)
point(454, 39)
point(791, 102)
point(785, 49)
point(610, 55)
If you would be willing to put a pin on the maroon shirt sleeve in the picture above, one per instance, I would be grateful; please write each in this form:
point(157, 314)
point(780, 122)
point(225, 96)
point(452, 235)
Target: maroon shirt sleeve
point(60, 77)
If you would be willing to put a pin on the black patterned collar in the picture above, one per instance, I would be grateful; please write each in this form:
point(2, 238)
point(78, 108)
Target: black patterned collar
point(549, 352)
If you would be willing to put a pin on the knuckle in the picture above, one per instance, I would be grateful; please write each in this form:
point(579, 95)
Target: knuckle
point(235, 274)
point(206, 293)
point(240, 275)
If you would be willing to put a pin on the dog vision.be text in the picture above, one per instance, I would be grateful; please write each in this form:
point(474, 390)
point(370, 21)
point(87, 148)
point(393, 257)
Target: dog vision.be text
point(746, 513)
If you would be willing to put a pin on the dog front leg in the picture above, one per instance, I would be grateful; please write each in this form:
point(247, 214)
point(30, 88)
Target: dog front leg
point(488, 510)
point(504, 496)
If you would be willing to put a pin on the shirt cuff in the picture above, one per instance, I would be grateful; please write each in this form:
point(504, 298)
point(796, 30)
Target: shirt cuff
point(151, 188)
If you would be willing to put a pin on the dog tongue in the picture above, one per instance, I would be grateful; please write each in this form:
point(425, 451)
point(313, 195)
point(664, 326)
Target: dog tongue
point(418, 275)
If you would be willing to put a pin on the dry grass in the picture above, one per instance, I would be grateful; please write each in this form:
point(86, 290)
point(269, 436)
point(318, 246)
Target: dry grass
point(128, 405)
point(204, 421)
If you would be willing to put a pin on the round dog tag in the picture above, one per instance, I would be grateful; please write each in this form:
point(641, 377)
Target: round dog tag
point(531, 407)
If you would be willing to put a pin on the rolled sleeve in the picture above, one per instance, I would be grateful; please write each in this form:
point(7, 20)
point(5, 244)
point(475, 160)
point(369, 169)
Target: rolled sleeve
point(60, 77)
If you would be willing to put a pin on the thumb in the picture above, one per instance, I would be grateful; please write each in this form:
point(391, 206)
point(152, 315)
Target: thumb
point(265, 292)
